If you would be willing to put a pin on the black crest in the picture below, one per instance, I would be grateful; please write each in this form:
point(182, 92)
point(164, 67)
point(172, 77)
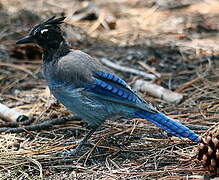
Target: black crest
point(47, 34)
point(52, 21)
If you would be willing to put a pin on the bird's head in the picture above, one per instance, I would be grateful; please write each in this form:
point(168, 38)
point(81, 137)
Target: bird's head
point(47, 34)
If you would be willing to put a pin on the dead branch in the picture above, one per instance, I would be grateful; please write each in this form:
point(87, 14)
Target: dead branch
point(127, 69)
point(39, 126)
point(158, 91)
point(25, 121)
point(11, 115)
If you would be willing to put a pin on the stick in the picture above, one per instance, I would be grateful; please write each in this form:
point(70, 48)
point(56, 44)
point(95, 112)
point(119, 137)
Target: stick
point(187, 84)
point(158, 91)
point(19, 67)
point(40, 126)
point(11, 115)
point(127, 69)
point(150, 69)
point(197, 127)
point(16, 124)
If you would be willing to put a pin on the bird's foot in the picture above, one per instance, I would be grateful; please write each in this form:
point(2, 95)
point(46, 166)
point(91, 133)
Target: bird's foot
point(73, 152)
point(71, 143)
point(70, 153)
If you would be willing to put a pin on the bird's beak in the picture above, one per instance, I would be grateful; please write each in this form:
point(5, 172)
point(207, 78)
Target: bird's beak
point(27, 39)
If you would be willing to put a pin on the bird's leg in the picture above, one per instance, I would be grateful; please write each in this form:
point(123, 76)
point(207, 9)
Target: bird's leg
point(84, 140)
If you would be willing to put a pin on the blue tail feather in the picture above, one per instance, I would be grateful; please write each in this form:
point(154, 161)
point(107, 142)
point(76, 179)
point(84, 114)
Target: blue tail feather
point(168, 124)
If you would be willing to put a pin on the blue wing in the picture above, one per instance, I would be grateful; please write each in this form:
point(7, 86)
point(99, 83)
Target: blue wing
point(110, 87)
point(112, 78)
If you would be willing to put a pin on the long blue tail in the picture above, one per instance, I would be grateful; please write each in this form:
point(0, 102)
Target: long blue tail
point(168, 124)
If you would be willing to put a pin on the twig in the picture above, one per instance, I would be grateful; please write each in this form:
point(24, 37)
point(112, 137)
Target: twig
point(92, 149)
point(158, 91)
point(159, 172)
point(39, 126)
point(187, 84)
point(127, 69)
point(39, 166)
point(197, 127)
point(150, 69)
point(97, 23)
point(210, 129)
point(19, 67)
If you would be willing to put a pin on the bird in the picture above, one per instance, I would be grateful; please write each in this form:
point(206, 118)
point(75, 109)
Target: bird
point(89, 89)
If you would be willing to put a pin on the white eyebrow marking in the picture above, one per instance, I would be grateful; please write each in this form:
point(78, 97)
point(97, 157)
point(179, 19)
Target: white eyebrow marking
point(44, 30)
point(35, 31)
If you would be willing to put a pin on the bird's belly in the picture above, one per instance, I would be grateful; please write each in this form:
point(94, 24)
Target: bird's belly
point(94, 111)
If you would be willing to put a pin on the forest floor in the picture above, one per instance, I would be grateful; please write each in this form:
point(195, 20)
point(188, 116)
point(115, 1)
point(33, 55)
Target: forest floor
point(176, 41)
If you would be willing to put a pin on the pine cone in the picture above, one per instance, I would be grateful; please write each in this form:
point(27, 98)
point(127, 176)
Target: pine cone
point(208, 151)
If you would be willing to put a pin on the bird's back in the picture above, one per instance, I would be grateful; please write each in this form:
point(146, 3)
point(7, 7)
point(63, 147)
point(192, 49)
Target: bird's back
point(74, 68)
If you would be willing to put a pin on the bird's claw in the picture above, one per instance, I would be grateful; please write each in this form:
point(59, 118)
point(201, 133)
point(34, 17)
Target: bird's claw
point(70, 153)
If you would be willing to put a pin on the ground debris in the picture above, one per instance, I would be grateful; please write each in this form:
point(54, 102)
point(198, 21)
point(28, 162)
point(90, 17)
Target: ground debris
point(177, 44)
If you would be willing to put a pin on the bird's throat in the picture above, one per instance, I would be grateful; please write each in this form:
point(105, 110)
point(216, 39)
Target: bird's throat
point(51, 54)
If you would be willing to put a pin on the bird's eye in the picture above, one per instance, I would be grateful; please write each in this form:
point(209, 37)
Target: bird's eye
point(44, 30)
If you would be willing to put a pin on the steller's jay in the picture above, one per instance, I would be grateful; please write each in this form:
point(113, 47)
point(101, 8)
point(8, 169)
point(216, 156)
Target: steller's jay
point(90, 90)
